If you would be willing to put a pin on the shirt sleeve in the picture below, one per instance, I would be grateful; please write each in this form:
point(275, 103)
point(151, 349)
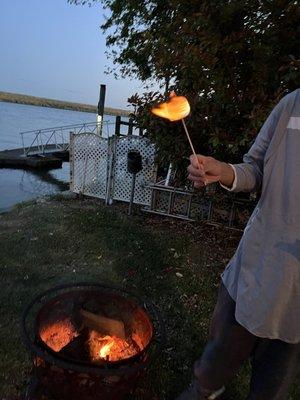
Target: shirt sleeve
point(249, 174)
point(233, 187)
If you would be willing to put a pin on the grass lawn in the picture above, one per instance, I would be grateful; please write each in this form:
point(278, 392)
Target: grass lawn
point(175, 264)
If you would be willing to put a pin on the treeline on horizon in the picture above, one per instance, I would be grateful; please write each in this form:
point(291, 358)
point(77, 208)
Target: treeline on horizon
point(60, 104)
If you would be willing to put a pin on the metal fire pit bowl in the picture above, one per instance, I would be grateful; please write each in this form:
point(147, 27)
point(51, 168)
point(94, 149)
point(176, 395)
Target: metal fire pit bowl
point(64, 377)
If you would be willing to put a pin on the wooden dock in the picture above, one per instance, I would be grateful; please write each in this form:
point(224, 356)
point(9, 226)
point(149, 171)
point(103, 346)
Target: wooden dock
point(16, 159)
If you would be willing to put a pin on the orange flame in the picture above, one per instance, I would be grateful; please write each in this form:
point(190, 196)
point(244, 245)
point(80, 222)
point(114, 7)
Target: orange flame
point(176, 108)
point(105, 350)
point(109, 348)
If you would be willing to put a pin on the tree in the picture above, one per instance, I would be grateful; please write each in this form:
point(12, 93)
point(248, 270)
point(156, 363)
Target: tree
point(233, 59)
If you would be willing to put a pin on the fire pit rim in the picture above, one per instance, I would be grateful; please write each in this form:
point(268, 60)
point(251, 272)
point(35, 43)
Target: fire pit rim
point(158, 333)
point(109, 363)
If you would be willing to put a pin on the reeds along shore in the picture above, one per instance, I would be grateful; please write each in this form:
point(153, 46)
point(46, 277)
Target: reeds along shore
point(66, 105)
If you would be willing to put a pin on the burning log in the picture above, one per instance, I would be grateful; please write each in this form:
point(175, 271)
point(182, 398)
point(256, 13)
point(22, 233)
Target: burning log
point(106, 326)
point(76, 349)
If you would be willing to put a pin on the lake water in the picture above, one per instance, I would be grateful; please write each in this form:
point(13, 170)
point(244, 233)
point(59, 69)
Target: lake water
point(18, 185)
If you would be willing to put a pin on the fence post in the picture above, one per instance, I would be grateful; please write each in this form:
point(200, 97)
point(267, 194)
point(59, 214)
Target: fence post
point(24, 152)
point(71, 160)
point(130, 126)
point(118, 125)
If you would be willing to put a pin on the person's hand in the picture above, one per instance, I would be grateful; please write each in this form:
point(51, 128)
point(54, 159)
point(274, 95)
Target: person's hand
point(206, 170)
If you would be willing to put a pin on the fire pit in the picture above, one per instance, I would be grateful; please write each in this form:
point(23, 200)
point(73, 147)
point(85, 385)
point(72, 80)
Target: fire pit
point(89, 342)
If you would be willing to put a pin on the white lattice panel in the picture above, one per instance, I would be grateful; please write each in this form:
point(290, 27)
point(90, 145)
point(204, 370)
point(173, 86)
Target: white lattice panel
point(121, 185)
point(89, 164)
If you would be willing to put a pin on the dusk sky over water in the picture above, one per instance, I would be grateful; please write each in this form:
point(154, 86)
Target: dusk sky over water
point(52, 49)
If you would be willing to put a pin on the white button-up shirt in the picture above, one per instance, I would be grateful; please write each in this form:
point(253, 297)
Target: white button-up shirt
point(263, 277)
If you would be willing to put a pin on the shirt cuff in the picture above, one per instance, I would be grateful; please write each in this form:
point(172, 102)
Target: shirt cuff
point(233, 187)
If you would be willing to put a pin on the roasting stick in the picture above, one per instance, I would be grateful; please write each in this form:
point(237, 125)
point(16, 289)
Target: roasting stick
point(176, 109)
point(191, 145)
point(190, 141)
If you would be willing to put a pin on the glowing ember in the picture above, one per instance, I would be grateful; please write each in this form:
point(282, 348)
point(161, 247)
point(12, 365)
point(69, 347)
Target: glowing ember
point(175, 109)
point(58, 334)
point(110, 348)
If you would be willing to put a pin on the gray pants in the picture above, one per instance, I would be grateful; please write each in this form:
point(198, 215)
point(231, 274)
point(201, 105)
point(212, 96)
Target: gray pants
point(275, 364)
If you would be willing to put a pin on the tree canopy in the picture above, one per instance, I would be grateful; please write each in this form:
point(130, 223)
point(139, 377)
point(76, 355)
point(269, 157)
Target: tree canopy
point(232, 59)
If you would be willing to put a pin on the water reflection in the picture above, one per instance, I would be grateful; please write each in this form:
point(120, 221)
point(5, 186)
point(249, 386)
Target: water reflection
point(18, 185)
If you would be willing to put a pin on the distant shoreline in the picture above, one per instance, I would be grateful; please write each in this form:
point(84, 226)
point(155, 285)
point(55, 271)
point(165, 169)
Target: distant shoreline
point(65, 105)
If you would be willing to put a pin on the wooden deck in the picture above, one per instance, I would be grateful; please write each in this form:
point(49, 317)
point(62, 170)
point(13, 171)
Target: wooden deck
point(15, 158)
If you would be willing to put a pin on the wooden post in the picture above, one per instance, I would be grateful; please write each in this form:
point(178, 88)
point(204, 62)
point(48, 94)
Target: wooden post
point(130, 126)
point(101, 100)
point(118, 126)
point(101, 108)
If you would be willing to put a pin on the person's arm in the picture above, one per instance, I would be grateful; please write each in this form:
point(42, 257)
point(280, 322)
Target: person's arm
point(247, 176)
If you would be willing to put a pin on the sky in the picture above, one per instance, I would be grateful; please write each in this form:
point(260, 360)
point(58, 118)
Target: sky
point(52, 49)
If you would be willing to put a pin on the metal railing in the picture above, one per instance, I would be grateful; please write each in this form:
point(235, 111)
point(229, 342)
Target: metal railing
point(42, 141)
